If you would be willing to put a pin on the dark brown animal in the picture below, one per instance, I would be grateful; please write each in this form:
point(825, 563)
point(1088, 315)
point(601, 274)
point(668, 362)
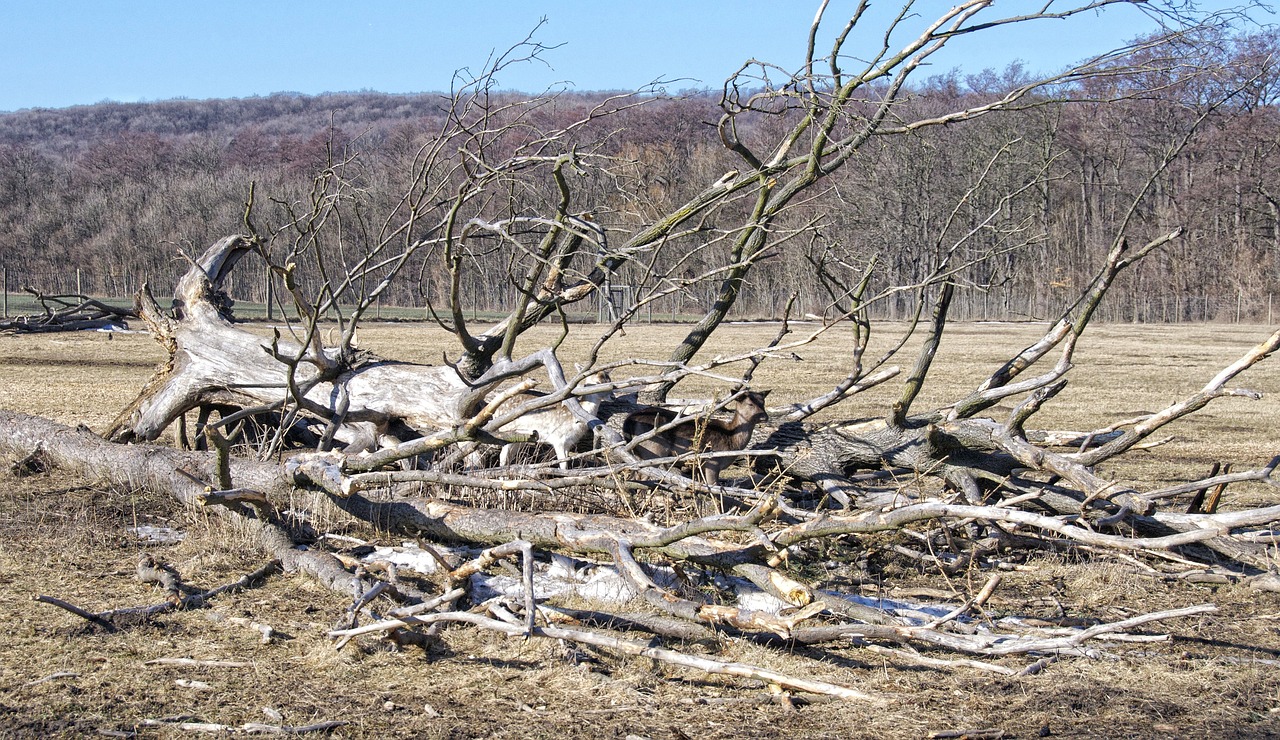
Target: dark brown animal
point(699, 435)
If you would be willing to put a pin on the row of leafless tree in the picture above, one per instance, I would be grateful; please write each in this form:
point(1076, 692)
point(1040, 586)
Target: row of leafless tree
point(1032, 195)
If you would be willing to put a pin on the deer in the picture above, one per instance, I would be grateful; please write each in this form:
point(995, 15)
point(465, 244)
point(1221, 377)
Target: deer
point(698, 435)
point(554, 425)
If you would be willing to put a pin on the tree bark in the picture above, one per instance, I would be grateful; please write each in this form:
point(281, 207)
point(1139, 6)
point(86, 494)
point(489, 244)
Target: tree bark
point(213, 361)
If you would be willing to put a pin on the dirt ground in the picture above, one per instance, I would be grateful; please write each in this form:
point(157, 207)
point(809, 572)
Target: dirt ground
point(1216, 675)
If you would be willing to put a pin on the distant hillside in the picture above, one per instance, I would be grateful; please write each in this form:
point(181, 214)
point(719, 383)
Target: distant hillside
point(282, 114)
point(119, 191)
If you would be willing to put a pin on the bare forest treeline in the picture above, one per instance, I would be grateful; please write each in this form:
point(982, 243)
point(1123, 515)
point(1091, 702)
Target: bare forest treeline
point(121, 192)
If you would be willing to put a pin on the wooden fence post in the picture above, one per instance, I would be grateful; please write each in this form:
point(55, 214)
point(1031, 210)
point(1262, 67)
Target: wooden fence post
point(269, 296)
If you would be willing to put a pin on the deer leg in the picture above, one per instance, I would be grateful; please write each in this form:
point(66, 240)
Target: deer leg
point(562, 454)
point(709, 471)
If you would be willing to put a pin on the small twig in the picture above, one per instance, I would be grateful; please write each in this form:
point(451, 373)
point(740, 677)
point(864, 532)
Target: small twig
point(919, 659)
point(530, 607)
point(192, 662)
point(53, 677)
point(353, 611)
point(266, 630)
point(109, 619)
point(1211, 505)
point(255, 727)
point(1039, 665)
point(972, 603)
point(234, 498)
point(987, 734)
point(402, 617)
point(445, 598)
point(485, 559)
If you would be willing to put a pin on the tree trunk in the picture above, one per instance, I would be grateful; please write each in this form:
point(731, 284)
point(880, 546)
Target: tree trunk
point(212, 361)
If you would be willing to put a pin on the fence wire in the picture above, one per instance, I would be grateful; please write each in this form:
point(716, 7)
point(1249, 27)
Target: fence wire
point(253, 295)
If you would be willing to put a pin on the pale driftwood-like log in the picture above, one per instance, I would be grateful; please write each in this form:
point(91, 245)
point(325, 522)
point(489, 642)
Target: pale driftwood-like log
point(251, 728)
point(214, 362)
point(991, 644)
point(514, 627)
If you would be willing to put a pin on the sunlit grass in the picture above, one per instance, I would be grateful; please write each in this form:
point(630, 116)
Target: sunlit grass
point(1120, 371)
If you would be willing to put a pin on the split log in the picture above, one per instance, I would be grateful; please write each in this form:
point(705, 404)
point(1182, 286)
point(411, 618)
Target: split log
point(213, 361)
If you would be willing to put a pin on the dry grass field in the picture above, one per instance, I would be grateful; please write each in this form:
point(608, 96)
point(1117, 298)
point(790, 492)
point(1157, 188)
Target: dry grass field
point(1216, 676)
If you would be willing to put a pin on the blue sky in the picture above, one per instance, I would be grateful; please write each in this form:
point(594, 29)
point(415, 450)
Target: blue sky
point(58, 53)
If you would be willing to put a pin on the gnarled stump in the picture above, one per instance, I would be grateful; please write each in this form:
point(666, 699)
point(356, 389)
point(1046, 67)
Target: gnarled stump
point(212, 361)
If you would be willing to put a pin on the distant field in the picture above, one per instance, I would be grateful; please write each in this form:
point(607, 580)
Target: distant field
point(1213, 676)
point(1121, 370)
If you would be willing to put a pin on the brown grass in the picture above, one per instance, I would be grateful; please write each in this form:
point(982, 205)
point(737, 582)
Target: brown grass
point(1216, 677)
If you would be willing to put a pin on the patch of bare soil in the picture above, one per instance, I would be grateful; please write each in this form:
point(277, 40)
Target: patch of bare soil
point(1217, 676)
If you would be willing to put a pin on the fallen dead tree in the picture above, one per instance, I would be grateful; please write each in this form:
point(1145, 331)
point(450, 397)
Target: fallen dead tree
point(68, 313)
point(959, 487)
point(702, 543)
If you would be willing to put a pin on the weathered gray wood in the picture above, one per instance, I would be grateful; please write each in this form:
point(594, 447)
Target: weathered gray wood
point(214, 361)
